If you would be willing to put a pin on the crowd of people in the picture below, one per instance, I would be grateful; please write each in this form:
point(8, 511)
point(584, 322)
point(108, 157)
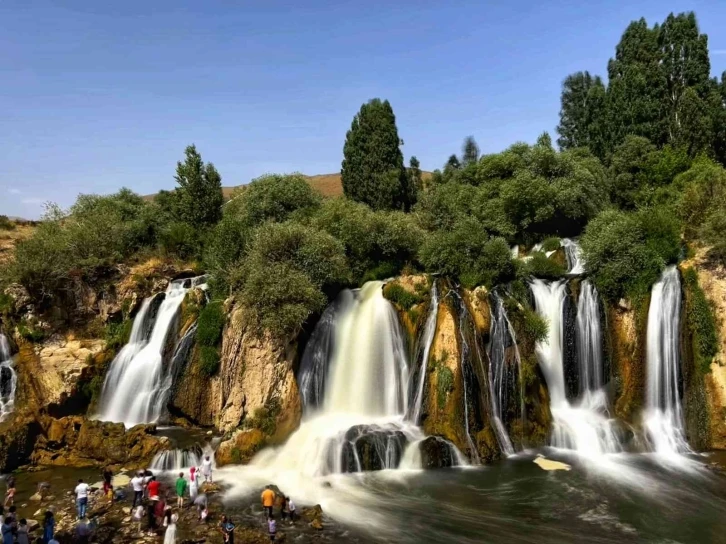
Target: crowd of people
point(151, 505)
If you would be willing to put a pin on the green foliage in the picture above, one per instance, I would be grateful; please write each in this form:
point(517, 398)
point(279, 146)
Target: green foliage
point(541, 266)
point(200, 196)
point(397, 294)
point(372, 171)
point(265, 418)
point(118, 334)
point(469, 151)
point(467, 253)
point(377, 243)
point(444, 384)
point(551, 244)
point(281, 280)
point(415, 177)
point(5, 223)
point(582, 113)
point(210, 324)
point(92, 388)
point(180, 240)
point(208, 360)
point(29, 332)
point(701, 322)
point(273, 198)
point(625, 252)
point(702, 204)
point(536, 328)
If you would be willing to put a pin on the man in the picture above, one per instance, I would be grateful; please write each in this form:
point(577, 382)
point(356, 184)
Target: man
point(137, 483)
point(181, 487)
point(268, 500)
point(201, 502)
point(81, 498)
point(153, 487)
point(207, 469)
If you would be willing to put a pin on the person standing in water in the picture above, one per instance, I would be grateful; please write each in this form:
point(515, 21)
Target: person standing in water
point(81, 498)
point(194, 484)
point(107, 479)
point(268, 500)
point(291, 508)
point(181, 488)
point(227, 528)
point(207, 469)
point(137, 484)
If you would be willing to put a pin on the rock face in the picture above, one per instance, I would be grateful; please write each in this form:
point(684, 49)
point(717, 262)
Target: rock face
point(712, 279)
point(256, 373)
point(75, 441)
point(51, 373)
point(18, 436)
point(240, 448)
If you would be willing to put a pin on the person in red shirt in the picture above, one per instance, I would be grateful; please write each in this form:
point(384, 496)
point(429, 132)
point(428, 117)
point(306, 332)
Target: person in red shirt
point(153, 488)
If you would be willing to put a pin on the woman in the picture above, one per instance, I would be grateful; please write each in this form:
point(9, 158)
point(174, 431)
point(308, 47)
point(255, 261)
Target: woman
point(48, 527)
point(170, 535)
point(23, 532)
point(194, 485)
point(227, 529)
point(7, 531)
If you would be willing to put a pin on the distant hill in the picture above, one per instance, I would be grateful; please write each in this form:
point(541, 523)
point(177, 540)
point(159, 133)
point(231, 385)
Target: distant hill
point(328, 185)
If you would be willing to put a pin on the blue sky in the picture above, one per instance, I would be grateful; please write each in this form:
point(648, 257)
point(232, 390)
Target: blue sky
point(97, 95)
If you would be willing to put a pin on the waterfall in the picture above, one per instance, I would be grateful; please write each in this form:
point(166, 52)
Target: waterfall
point(137, 385)
point(585, 425)
point(418, 377)
point(177, 460)
point(503, 376)
point(8, 379)
point(663, 413)
point(361, 393)
point(589, 339)
point(573, 253)
point(319, 350)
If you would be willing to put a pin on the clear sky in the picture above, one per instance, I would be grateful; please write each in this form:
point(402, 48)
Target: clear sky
point(96, 95)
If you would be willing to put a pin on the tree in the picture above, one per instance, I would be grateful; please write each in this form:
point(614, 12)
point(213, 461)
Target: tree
point(582, 113)
point(685, 67)
point(372, 171)
point(469, 151)
point(200, 188)
point(415, 178)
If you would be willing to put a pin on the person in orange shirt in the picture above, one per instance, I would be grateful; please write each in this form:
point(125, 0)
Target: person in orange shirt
point(268, 500)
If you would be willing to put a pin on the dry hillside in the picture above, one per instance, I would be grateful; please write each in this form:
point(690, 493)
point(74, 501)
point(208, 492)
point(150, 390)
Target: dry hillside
point(10, 237)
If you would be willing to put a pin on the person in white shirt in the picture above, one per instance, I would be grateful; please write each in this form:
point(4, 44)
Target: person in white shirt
point(291, 508)
point(207, 469)
point(137, 483)
point(81, 498)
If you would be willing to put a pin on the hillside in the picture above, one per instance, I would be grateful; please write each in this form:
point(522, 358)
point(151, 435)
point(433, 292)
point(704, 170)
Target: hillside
point(328, 185)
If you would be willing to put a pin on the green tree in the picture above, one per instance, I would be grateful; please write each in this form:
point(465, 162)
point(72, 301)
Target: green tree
point(372, 171)
point(200, 190)
point(469, 151)
point(582, 113)
point(415, 177)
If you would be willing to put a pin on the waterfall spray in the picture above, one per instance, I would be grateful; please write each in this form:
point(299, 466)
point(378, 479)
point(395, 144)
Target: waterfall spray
point(8, 379)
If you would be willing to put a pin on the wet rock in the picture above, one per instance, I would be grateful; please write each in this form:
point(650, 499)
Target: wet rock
point(372, 448)
point(240, 448)
point(18, 436)
point(316, 524)
point(436, 453)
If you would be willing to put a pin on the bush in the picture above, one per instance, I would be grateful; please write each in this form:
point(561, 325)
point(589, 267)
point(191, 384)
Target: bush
point(226, 246)
point(180, 240)
point(5, 223)
point(466, 253)
point(701, 323)
point(273, 198)
point(210, 324)
point(209, 360)
point(397, 294)
point(287, 266)
point(444, 384)
point(625, 252)
point(118, 334)
point(541, 266)
point(535, 326)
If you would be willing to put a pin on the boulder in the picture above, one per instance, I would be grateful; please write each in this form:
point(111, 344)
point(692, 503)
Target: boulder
point(18, 436)
point(240, 448)
point(20, 297)
point(436, 453)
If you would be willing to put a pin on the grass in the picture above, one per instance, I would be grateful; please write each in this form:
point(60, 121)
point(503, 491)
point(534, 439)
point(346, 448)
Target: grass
point(397, 294)
point(701, 323)
point(444, 384)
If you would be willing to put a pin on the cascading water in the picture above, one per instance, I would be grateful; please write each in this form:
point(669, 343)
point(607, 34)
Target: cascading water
point(418, 377)
point(583, 426)
point(360, 423)
point(589, 339)
point(573, 253)
point(663, 413)
point(503, 375)
point(8, 379)
point(176, 460)
point(137, 384)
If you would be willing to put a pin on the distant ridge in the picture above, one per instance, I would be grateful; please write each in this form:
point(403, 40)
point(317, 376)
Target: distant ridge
point(328, 185)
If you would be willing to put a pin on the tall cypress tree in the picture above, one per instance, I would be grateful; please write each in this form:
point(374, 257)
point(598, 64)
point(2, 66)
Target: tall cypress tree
point(415, 178)
point(582, 115)
point(469, 151)
point(373, 171)
point(200, 190)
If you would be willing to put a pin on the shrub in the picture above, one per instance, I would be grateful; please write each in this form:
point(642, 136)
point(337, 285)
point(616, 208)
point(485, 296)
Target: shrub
point(210, 324)
point(397, 294)
point(118, 334)
point(701, 322)
point(535, 326)
point(625, 252)
point(181, 240)
point(444, 384)
point(273, 198)
point(551, 244)
point(209, 360)
point(5, 223)
point(541, 266)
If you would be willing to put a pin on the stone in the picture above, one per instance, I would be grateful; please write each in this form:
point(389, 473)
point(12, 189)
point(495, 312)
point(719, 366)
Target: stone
point(240, 448)
point(316, 524)
point(20, 297)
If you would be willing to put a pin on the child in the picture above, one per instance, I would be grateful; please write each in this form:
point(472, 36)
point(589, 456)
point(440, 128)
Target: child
point(272, 528)
point(203, 515)
point(10, 494)
point(284, 508)
point(291, 508)
point(181, 487)
point(138, 515)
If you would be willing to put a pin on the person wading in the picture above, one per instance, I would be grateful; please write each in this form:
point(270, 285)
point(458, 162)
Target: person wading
point(268, 500)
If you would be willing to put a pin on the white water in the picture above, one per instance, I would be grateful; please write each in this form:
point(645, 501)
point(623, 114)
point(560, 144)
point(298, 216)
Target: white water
point(466, 355)
point(502, 337)
point(589, 339)
point(8, 379)
point(427, 341)
point(663, 416)
point(176, 460)
point(136, 387)
point(583, 426)
point(573, 252)
point(365, 398)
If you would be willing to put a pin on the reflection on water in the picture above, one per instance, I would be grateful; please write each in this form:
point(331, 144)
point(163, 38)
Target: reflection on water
point(627, 498)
